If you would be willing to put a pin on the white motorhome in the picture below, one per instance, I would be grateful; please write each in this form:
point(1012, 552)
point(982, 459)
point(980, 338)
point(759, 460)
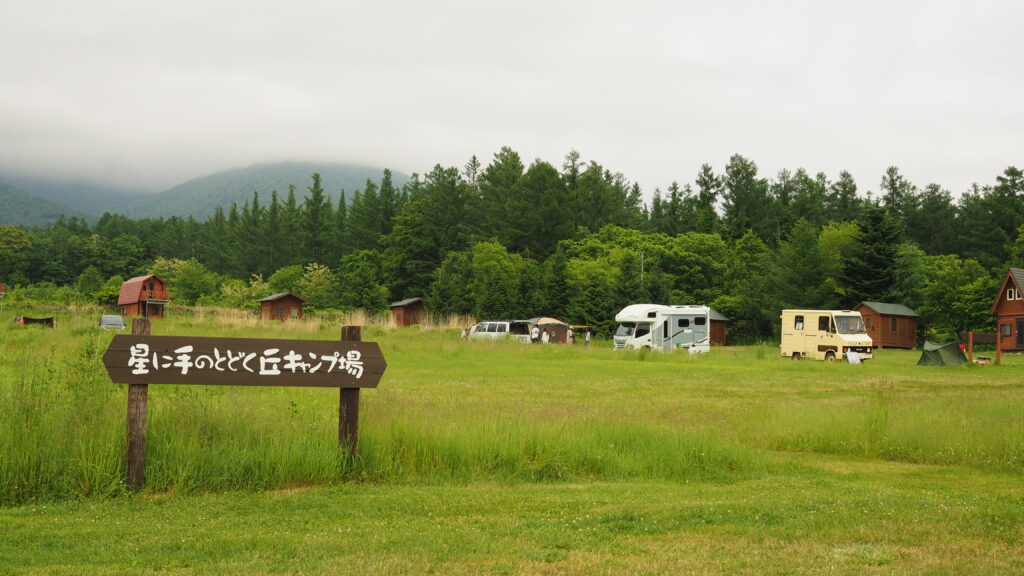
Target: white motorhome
point(824, 334)
point(664, 328)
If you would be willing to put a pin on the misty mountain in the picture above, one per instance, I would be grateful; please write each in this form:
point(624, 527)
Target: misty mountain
point(200, 197)
point(19, 208)
point(83, 197)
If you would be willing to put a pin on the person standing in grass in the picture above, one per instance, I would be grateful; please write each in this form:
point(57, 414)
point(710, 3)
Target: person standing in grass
point(544, 337)
point(586, 339)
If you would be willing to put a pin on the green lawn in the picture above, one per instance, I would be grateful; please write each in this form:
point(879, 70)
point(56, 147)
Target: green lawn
point(481, 458)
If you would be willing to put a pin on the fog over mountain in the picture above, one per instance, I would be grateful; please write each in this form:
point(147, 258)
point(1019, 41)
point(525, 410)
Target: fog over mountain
point(142, 96)
point(32, 201)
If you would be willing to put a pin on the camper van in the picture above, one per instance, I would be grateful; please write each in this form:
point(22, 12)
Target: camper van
point(664, 328)
point(824, 334)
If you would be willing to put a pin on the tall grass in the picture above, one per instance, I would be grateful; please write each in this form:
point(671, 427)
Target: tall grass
point(449, 411)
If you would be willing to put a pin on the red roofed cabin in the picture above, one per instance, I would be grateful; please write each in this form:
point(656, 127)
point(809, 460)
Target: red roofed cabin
point(1009, 312)
point(281, 307)
point(143, 296)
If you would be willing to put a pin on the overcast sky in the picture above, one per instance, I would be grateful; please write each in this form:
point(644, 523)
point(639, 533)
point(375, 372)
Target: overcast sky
point(147, 95)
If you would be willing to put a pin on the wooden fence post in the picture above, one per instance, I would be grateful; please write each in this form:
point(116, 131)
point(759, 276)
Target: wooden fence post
point(137, 406)
point(348, 411)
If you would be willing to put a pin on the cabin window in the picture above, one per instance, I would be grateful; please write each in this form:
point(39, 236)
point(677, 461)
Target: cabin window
point(1013, 294)
point(823, 323)
point(798, 324)
point(1004, 330)
point(295, 312)
point(700, 321)
point(684, 322)
point(894, 325)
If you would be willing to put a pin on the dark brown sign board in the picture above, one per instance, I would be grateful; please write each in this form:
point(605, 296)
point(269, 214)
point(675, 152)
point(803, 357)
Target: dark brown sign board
point(141, 359)
point(135, 359)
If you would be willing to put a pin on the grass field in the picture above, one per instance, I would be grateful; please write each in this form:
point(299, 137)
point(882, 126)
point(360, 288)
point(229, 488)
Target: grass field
point(493, 458)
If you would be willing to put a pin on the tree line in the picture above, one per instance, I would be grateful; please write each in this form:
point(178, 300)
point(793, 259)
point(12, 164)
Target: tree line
point(576, 241)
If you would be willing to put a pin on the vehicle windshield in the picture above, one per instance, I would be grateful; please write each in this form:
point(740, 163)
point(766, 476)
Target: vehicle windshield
point(850, 325)
point(625, 329)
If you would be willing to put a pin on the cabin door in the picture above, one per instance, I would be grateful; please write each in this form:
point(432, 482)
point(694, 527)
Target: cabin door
point(1020, 332)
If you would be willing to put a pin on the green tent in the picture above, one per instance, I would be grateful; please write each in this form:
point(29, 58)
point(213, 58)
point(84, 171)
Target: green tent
point(934, 354)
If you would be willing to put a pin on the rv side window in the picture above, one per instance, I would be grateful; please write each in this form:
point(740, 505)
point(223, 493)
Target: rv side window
point(501, 328)
point(700, 321)
point(798, 324)
point(642, 330)
point(491, 327)
point(823, 323)
point(664, 329)
point(684, 322)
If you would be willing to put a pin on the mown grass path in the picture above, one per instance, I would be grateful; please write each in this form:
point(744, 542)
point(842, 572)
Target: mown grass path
point(824, 516)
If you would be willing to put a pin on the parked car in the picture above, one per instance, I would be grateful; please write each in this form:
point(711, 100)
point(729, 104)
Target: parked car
point(111, 322)
point(500, 329)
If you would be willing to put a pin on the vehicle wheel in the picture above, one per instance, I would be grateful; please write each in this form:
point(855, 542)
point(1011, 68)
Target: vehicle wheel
point(830, 356)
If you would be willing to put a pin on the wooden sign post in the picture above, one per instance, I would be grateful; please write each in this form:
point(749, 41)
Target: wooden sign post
point(142, 359)
point(138, 405)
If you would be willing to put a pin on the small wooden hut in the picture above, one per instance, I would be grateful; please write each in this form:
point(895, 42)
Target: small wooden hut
point(407, 312)
point(281, 307)
point(1009, 312)
point(144, 296)
point(718, 322)
point(889, 325)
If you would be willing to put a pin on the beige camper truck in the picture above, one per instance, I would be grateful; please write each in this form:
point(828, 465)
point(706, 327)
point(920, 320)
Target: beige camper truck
point(824, 334)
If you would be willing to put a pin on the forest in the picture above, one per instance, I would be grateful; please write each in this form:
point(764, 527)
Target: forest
point(579, 242)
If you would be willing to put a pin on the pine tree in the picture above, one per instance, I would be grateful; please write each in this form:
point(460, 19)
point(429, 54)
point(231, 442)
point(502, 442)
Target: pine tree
point(709, 187)
point(316, 215)
point(869, 271)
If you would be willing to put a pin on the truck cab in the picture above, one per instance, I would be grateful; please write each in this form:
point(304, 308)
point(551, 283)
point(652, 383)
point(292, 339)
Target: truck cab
point(824, 335)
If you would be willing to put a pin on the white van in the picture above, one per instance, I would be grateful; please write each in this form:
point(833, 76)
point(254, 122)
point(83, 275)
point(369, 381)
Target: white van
point(824, 334)
point(664, 328)
point(500, 329)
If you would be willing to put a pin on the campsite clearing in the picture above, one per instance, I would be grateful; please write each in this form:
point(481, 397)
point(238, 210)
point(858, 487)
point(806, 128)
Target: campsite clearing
point(498, 458)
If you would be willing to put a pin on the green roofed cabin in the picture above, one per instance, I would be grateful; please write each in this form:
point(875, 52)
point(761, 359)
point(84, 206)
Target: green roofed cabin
point(282, 306)
point(889, 325)
point(407, 312)
point(718, 322)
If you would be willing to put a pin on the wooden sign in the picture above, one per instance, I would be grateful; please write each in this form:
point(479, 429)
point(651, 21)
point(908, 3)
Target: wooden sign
point(135, 359)
point(141, 359)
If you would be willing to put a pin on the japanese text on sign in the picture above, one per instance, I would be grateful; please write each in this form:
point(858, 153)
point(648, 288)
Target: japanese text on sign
point(266, 362)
